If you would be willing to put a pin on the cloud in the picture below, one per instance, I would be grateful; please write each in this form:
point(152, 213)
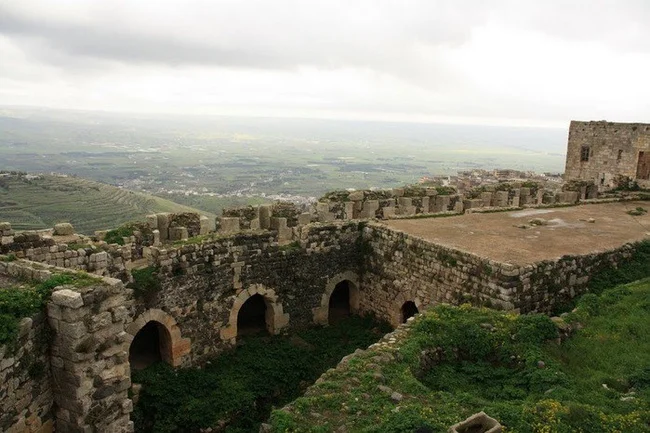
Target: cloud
point(549, 60)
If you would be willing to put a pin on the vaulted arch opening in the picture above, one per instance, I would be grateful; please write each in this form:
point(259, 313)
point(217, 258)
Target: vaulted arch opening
point(409, 309)
point(253, 316)
point(151, 344)
point(339, 303)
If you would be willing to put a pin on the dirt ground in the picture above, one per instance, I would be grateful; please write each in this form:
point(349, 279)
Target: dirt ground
point(567, 231)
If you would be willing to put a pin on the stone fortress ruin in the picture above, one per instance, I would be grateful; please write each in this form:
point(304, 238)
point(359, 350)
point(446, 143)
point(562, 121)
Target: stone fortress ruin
point(604, 152)
point(174, 291)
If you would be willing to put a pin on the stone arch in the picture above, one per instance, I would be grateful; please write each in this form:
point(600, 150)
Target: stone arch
point(275, 317)
point(321, 313)
point(403, 298)
point(173, 347)
point(409, 309)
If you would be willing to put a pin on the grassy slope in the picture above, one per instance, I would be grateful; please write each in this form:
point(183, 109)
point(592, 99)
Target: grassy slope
point(88, 205)
point(565, 395)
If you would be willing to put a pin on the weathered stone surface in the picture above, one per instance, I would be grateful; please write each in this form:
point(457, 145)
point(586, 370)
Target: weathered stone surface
point(63, 229)
point(67, 298)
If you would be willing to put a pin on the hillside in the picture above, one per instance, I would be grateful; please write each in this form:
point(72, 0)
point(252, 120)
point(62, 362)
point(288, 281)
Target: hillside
point(31, 202)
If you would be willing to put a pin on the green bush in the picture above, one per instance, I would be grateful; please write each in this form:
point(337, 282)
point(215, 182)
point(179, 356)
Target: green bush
point(145, 281)
point(19, 302)
point(116, 236)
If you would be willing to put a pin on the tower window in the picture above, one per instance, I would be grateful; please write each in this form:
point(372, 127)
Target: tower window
point(584, 153)
point(620, 155)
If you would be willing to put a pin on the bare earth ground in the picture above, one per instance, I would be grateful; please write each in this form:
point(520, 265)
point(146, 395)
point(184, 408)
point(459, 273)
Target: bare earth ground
point(495, 235)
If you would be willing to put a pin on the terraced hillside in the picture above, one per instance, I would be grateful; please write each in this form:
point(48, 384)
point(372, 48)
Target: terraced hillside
point(36, 202)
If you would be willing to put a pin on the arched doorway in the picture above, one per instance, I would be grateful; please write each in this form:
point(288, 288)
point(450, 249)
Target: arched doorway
point(151, 344)
point(153, 326)
point(409, 309)
point(252, 316)
point(339, 303)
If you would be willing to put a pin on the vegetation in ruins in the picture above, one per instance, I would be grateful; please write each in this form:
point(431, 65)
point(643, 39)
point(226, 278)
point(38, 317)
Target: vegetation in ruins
point(457, 361)
point(238, 389)
point(145, 282)
point(27, 300)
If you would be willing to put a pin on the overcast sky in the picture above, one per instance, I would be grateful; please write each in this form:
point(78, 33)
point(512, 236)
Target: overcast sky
point(520, 62)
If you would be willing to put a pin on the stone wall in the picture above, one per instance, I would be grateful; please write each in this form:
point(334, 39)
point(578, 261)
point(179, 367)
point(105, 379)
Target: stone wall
point(59, 251)
point(25, 393)
point(205, 284)
point(399, 267)
point(86, 372)
point(543, 286)
point(613, 150)
point(90, 357)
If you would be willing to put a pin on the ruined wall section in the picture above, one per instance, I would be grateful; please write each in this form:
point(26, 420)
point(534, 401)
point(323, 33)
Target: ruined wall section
point(613, 151)
point(25, 394)
point(89, 357)
point(547, 285)
point(399, 267)
point(203, 283)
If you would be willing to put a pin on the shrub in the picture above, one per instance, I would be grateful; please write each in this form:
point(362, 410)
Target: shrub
point(145, 281)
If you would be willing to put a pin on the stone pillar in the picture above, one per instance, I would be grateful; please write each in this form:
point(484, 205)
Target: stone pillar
point(442, 203)
point(285, 233)
point(265, 217)
point(163, 225)
point(349, 210)
point(204, 222)
point(89, 355)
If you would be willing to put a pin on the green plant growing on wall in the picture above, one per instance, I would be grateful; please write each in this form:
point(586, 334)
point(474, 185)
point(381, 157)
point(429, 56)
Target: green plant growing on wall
point(145, 282)
point(116, 236)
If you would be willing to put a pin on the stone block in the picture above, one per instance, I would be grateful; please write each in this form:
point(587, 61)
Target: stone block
point(152, 221)
point(501, 199)
point(472, 203)
point(204, 225)
point(397, 192)
point(179, 233)
point(458, 207)
point(486, 197)
point(255, 224)
point(63, 229)
point(348, 212)
point(388, 212)
point(265, 217)
point(163, 225)
point(67, 298)
point(441, 203)
point(278, 223)
point(5, 226)
point(355, 196)
point(156, 238)
point(431, 192)
point(304, 218)
point(229, 224)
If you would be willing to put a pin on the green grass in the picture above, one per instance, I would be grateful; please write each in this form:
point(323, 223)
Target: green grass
point(27, 300)
point(88, 205)
point(241, 386)
point(490, 361)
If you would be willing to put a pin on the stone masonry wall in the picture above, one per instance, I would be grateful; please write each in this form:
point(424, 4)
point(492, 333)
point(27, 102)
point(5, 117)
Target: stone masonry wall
point(613, 151)
point(89, 355)
point(544, 286)
point(204, 284)
point(399, 267)
point(25, 394)
point(85, 372)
